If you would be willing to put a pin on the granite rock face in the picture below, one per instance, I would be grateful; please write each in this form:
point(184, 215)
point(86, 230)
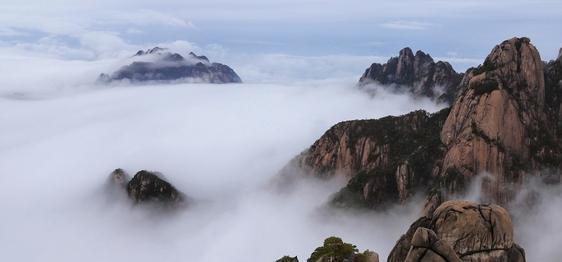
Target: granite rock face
point(387, 159)
point(506, 121)
point(498, 124)
point(417, 74)
point(160, 65)
point(460, 231)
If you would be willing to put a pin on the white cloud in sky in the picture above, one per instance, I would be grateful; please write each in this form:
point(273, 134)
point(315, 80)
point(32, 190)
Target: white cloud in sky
point(145, 17)
point(406, 25)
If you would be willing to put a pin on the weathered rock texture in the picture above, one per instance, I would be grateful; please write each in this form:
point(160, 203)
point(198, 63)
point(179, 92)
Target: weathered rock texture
point(498, 123)
point(417, 74)
point(506, 121)
point(158, 64)
point(460, 231)
point(388, 159)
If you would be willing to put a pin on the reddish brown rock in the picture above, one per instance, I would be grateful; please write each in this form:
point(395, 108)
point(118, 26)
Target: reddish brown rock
point(460, 231)
point(498, 124)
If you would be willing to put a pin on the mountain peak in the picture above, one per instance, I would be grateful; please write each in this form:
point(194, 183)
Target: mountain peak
point(150, 51)
point(417, 74)
point(167, 66)
point(406, 52)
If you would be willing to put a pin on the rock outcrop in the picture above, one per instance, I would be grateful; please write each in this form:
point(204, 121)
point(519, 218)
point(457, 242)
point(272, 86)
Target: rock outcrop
point(498, 124)
point(417, 74)
point(158, 64)
point(506, 121)
point(149, 187)
point(146, 187)
point(460, 231)
point(387, 159)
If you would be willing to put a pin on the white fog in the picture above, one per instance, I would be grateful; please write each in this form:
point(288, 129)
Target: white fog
point(219, 144)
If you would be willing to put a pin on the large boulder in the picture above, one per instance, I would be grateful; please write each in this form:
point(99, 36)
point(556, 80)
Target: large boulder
point(159, 64)
point(417, 74)
point(460, 231)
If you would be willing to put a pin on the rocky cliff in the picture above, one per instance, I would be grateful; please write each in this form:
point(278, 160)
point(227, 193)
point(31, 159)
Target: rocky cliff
point(387, 159)
point(498, 124)
point(417, 74)
point(505, 121)
point(158, 64)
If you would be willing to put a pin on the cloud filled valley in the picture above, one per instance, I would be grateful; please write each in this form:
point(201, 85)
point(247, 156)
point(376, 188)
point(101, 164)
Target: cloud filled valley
point(220, 144)
point(226, 145)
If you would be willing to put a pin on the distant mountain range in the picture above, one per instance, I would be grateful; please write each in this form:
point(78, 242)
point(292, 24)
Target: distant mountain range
point(159, 64)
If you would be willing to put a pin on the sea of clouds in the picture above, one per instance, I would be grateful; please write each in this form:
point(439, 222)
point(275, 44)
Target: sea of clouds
point(62, 134)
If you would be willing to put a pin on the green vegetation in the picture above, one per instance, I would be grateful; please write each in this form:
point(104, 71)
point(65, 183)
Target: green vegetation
point(412, 139)
point(485, 87)
point(486, 67)
point(333, 250)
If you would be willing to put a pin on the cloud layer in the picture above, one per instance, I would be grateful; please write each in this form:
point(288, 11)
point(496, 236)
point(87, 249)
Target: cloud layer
point(220, 144)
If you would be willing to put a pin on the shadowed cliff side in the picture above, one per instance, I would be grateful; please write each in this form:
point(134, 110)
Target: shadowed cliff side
point(417, 74)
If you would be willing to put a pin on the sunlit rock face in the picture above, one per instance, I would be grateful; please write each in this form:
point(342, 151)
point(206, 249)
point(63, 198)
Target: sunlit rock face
point(460, 231)
point(498, 124)
point(417, 74)
point(387, 159)
point(160, 65)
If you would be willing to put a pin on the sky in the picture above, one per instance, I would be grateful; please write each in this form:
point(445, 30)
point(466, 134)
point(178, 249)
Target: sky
point(462, 32)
